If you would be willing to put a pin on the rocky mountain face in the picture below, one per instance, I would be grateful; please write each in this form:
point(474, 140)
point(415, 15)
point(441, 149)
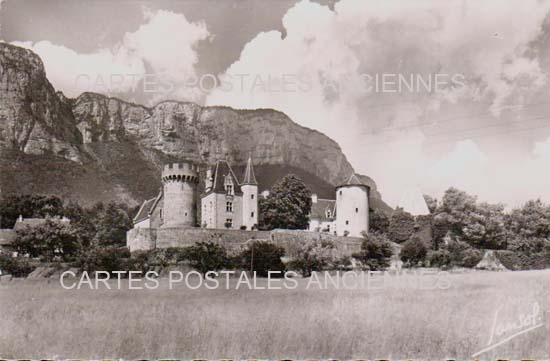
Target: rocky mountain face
point(99, 148)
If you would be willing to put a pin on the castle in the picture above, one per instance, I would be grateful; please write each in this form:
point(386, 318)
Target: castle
point(226, 203)
point(230, 203)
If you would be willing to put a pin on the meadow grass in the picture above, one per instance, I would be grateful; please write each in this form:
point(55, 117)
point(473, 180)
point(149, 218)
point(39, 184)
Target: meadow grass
point(42, 320)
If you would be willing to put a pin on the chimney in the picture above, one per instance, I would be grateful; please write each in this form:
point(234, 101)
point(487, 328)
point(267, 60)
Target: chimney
point(208, 181)
point(314, 198)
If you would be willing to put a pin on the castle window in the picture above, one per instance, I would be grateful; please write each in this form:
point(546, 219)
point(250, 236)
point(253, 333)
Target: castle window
point(229, 189)
point(252, 196)
point(340, 192)
point(347, 222)
point(356, 210)
point(329, 214)
point(252, 215)
point(228, 223)
point(229, 206)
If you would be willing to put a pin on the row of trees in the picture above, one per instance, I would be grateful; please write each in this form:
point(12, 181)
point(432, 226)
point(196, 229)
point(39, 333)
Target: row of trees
point(99, 226)
point(459, 227)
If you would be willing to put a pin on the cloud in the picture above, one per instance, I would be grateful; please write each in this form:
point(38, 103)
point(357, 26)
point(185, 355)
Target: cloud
point(74, 73)
point(386, 135)
point(158, 58)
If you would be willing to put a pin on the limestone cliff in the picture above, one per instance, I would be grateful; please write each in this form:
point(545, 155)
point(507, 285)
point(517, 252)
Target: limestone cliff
point(108, 149)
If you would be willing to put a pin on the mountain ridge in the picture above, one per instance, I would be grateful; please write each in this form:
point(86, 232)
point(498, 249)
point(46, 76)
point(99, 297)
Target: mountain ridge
point(116, 147)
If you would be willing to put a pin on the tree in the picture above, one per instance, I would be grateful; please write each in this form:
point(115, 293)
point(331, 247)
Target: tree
point(101, 225)
point(413, 252)
point(47, 240)
point(313, 255)
point(530, 221)
point(481, 225)
point(375, 251)
point(378, 222)
point(207, 256)
point(262, 257)
point(401, 226)
point(28, 206)
point(287, 206)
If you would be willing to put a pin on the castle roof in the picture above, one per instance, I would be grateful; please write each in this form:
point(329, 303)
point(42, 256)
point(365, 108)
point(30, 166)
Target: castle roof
point(222, 171)
point(320, 209)
point(353, 180)
point(145, 210)
point(249, 177)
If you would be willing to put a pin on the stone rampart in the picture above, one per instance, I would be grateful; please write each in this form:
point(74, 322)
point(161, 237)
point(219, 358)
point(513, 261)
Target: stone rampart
point(144, 238)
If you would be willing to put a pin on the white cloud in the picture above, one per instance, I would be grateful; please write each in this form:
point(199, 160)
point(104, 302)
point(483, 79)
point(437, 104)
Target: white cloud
point(163, 48)
point(75, 73)
point(484, 41)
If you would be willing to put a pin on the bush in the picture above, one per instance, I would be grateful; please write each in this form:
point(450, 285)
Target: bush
point(262, 257)
point(523, 261)
point(314, 255)
point(47, 241)
point(455, 254)
point(375, 252)
point(105, 259)
point(401, 226)
point(16, 266)
point(440, 258)
point(378, 222)
point(207, 256)
point(413, 252)
point(470, 258)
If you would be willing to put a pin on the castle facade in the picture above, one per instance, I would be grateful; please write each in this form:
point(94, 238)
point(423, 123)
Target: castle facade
point(227, 201)
point(230, 203)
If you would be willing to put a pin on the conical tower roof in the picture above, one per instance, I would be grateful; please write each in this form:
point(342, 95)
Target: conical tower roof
point(249, 177)
point(353, 180)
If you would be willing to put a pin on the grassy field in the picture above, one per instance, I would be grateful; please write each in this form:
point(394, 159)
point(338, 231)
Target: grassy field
point(42, 320)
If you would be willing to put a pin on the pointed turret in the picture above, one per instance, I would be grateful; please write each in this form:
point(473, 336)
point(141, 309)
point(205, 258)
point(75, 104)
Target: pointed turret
point(352, 207)
point(249, 177)
point(250, 197)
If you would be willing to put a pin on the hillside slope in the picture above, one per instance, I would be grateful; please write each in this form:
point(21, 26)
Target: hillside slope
point(99, 148)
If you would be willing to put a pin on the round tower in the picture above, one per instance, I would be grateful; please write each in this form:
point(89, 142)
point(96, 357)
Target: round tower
point(352, 208)
point(179, 186)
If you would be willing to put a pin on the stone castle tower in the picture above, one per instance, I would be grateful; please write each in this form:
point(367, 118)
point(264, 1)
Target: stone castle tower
point(249, 188)
point(352, 207)
point(179, 187)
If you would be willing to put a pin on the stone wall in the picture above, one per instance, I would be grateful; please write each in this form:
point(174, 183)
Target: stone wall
point(143, 239)
point(184, 237)
point(140, 239)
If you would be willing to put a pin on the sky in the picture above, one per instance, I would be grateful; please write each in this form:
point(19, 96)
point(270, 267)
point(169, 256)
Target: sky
point(355, 70)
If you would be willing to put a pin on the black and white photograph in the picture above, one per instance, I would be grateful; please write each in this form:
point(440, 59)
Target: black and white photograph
point(275, 180)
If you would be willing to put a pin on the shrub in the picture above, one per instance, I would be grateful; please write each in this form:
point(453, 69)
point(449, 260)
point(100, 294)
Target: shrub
point(455, 254)
point(378, 222)
point(523, 261)
point(470, 258)
point(47, 241)
point(375, 251)
point(401, 226)
point(440, 258)
point(16, 266)
point(314, 255)
point(262, 257)
point(413, 252)
point(207, 256)
point(105, 259)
